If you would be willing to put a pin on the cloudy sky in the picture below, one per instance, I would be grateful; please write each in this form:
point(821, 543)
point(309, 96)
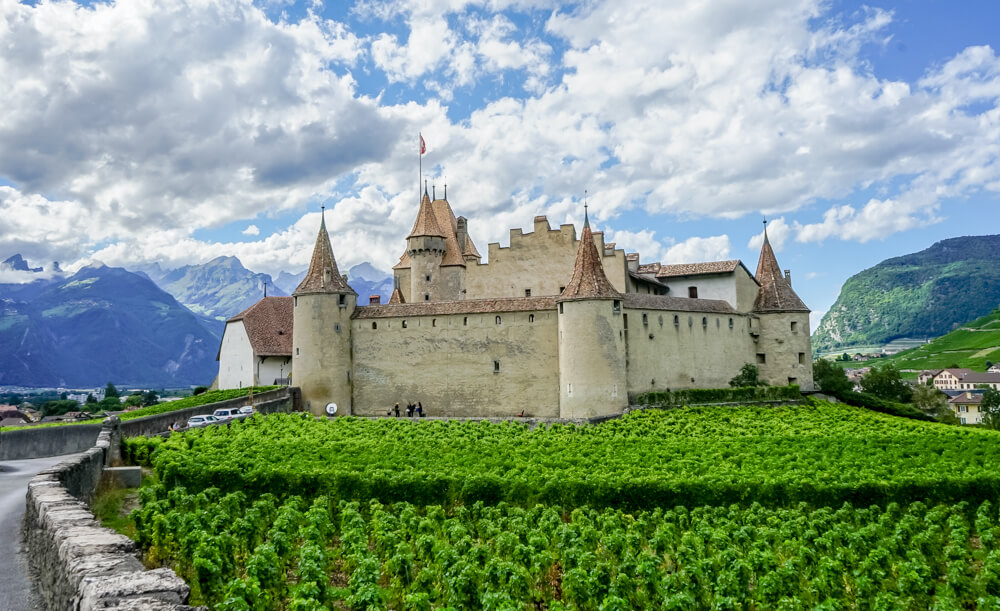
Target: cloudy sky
point(179, 130)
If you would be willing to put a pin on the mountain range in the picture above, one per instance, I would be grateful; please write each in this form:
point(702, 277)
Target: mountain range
point(146, 327)
point(921, 295)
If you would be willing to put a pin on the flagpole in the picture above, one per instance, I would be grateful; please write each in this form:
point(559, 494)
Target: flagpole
point(420, 154)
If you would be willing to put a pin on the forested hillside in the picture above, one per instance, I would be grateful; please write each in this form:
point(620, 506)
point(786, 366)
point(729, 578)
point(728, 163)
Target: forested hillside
point(921, 295)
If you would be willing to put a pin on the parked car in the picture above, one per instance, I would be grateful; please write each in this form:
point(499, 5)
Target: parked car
point(226, 413)
point(247, 410)
point(199, 421)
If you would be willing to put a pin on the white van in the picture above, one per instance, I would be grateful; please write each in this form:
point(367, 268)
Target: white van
point(227, 413)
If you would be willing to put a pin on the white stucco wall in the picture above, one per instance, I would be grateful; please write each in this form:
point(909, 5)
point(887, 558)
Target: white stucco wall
point(736, 288)
point(236, 362)
point(269, 368)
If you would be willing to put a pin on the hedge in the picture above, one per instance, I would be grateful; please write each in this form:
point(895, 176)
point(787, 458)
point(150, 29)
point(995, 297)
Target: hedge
point(878, 404)
point(742, 395)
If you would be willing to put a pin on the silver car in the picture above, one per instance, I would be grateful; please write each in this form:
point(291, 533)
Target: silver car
point(199, 421)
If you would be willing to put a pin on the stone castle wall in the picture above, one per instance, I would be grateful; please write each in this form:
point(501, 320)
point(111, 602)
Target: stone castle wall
point(448, 362)
point(541, 261)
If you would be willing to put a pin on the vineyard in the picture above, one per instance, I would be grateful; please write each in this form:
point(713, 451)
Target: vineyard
point(825, 506)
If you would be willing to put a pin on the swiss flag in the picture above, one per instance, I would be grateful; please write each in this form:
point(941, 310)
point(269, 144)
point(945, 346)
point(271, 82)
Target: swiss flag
point(423, 146)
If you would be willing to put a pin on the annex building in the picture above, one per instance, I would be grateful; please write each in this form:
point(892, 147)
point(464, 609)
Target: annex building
point(553, 325)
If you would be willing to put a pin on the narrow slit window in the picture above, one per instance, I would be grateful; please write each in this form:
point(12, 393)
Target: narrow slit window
point(531, 318)
point(404, 324)
point(496, 366)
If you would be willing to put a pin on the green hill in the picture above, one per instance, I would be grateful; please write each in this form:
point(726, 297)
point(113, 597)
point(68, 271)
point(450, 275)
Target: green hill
point(972, 346)
point(920, 295)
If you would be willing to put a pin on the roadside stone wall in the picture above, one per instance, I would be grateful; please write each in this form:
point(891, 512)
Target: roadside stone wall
point(75, 563)
point(46, 441)
point(39, 442)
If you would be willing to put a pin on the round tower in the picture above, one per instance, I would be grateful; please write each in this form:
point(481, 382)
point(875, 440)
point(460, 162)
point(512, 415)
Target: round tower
point(425, 247)
point(784, 347)
point(323, 305)
point(592, 373)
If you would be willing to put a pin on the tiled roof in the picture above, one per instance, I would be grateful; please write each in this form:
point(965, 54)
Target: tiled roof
point(426, 223)
point(269, 326)
point(397, 297)
point(967, 398)
point(695, 269)
point(436, 218)
point(649, 268)
point(642, 301)
point(977, 377)
point(323, 275)
point(650, 278)
point(632, 256)
point(588, 281)
point(776, 294)
point(469, 306)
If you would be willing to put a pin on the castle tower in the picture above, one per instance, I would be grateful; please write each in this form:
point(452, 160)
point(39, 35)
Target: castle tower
point(425, 247)
point(592, 375)
point(784, 349)
point(321, 335)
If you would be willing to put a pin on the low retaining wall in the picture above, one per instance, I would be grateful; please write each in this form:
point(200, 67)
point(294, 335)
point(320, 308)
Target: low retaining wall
point(40, 442)
point(46, 441)
point(279, 400)
point(78, 565)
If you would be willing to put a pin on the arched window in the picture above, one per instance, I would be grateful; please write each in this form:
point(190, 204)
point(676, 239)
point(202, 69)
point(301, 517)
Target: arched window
point(531, 318)
point(645, 320)
point(498, 320)
point(404, 324)
point(677, 320)
point(704, 321)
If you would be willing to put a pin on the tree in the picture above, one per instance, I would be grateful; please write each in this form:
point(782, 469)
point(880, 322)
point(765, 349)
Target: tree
point(831, 378)
point(885, 382)
point(934, 403)
point(200, 389)
point(133, 400)
point(990, 408)
point(110, 404)
point(91, 398)
point(59, 407)
point(110, 390)
point(749, 375)
point(150, 398)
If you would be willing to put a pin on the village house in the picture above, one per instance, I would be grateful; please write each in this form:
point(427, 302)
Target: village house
point(966, 407)
point(965, 379)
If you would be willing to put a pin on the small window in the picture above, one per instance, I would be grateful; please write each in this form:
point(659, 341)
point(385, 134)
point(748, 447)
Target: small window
point(645, 320)
point(761, 358)
point(693, 292)
point(560, 308)
point(465, 321)
point(404, 324)
point(802, 358)
point(795, 326)
point(296, 352)
point(427, 277)
point(295, 302)
point(496, 366)
point(562, 288)
point(336, 327)
point(616, 306)
point(963, 409)
point(427, 297)
point(730, 323)
point(963, 420)
point(690, 321)
point(660, 318)
point(499, 320)
point(434, 322)
point(531, 318)
point(717, 323)
point(704, 321)
point(793, 381)
point(341, 300)
point(374, 325)
point(527, 292)
point(677, 320)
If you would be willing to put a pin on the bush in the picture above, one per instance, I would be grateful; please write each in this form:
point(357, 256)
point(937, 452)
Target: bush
point(743, 394)
point(868, 401)
point(199, 390)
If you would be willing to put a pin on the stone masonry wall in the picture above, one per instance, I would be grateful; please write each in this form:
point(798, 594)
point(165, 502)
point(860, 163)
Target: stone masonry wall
point(77, 564)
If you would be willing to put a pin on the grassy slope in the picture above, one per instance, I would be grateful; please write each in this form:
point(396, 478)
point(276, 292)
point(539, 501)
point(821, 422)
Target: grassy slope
point(970, 347)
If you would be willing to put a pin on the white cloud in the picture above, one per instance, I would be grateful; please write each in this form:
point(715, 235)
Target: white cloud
point(778, 232)
point(643, 242)
point(694, 250)
point(251, 230)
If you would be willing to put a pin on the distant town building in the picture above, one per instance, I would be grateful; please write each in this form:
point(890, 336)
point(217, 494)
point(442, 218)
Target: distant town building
point(966, 407)
point(965, 379)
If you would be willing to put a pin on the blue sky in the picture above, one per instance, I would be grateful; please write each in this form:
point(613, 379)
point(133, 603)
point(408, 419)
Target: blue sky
point(179, 130)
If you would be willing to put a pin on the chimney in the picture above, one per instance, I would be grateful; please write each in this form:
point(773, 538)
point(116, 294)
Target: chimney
point(788, 277)
point(632, 261)
point(462, 233)
point(374, 300)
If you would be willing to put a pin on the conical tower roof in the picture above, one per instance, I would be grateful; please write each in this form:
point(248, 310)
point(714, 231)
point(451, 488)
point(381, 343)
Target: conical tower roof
point(589, 280)
point(323, 275)
point(397, 297)
point(426, 223)
point(776, 294)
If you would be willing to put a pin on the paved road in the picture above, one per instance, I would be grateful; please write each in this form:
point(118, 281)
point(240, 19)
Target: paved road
point(15, 589)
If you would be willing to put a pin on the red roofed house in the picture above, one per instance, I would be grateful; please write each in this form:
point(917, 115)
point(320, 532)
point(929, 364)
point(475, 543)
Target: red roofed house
point(256, 345)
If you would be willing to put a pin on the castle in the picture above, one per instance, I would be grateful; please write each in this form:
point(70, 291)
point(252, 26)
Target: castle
point(551, 326)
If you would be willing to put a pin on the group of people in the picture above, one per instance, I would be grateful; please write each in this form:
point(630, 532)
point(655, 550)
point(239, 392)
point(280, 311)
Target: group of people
point(412, 409)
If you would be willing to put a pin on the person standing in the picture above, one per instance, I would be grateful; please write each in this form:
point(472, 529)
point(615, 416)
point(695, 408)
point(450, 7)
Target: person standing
point(396, 409)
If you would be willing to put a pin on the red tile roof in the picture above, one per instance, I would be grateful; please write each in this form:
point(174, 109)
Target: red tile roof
point(643, 301)
point(776, 294)
point(323, 275)
point(269, 326)
point(436, 218)
point(469, 306)
point(589, 280)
